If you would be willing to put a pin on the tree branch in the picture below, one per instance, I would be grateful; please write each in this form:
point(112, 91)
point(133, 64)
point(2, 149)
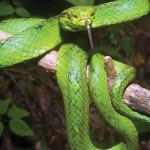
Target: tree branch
point(135, 96)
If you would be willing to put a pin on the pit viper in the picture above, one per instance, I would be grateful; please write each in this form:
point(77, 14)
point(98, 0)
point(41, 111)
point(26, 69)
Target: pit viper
point(25, 39)
point(74, 59)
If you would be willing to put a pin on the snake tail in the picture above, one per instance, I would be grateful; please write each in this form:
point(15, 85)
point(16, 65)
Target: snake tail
point(124, 77)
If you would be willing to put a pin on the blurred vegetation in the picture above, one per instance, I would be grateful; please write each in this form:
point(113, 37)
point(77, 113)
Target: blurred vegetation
point(12, 116)
point(30, 88)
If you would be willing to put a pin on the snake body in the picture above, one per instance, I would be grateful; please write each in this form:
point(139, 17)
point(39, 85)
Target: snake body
point(36, 37)
point(104, 14)
point(74, 59)
point(31, 42)
point(30, 38)
point(101, 97)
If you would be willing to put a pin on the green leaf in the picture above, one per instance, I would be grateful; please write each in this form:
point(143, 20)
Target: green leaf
point(113, 38)
point(127, 44)
point(43, 144)
point(82, 2)
point(20, 127)
point(112, 34)
point(16, 112)
point(1, 128)
point(22, 12)
point(19, 2)
point(6, 9)
point(4, 104)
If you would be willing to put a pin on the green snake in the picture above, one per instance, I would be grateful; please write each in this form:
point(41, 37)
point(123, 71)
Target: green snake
point(75, 100)
point(25, 39)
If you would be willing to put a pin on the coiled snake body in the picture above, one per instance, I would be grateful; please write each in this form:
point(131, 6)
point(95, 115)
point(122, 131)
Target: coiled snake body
point(77, 103)
point(30, 38)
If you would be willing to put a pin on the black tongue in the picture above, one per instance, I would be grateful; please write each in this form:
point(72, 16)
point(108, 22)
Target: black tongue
point(89, 35)
point(90, 40)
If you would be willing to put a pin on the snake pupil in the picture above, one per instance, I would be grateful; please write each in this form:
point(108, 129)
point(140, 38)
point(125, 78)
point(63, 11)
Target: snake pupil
point(92, 14)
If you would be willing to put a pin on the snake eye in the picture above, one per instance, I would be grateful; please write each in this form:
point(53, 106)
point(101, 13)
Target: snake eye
point(75, 16)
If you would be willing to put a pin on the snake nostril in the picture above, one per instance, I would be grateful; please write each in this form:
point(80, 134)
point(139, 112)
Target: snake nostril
point(92, 14)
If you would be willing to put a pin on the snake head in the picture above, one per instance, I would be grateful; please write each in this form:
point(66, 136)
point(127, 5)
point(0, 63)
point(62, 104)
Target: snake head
point(73, 19)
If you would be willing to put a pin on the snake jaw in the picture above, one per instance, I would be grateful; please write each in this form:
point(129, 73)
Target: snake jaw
point(82, 21)
point(81, 25)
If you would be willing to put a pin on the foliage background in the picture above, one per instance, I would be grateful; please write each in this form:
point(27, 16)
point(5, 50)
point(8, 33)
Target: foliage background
point(31, 88)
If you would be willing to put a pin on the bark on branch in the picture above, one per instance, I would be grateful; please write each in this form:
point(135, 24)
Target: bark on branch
point(135, 96)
